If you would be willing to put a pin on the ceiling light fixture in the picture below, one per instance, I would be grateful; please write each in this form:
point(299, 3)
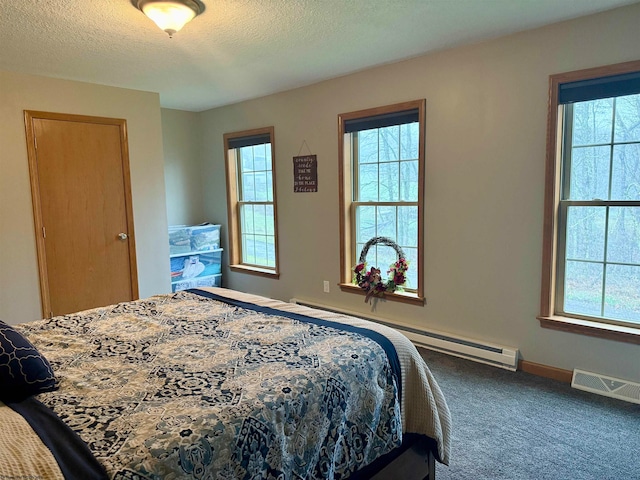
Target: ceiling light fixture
point(170, 15)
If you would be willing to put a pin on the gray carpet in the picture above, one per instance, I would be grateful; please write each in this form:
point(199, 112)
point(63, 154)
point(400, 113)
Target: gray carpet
point(517, 426)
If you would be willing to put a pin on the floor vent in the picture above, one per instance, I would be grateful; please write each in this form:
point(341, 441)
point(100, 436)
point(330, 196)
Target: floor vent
point(607, 386)
point(490, 354)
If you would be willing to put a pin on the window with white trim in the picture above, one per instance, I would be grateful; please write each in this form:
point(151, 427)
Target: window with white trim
point(251, 201)
point(382, 185)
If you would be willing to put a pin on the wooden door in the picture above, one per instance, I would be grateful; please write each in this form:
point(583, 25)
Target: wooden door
point(82, 209)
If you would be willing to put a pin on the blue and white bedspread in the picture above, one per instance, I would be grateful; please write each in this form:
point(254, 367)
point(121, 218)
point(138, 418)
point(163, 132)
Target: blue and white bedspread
point(217, 384)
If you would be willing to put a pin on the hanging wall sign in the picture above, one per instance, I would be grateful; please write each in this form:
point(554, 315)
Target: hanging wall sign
point(305, 174)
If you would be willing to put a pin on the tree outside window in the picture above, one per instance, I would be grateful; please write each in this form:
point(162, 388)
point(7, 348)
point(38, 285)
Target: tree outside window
point(591, 254)
point(382, 178)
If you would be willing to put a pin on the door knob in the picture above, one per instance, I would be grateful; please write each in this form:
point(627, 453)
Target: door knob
point(123, 236)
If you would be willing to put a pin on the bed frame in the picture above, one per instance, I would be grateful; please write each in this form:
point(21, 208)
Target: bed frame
point(413, 460)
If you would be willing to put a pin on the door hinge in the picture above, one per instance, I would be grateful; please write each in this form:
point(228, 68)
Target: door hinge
point(44, 232)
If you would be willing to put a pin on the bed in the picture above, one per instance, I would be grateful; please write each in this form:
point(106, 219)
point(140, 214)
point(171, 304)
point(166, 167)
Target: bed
point(212, 383)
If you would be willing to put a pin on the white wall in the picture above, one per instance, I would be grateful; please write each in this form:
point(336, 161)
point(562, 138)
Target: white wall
point(486, 128)
point(19, 286)
point(182, 139)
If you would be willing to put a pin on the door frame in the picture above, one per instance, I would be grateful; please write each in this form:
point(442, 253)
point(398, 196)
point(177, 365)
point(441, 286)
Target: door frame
point(29, 117)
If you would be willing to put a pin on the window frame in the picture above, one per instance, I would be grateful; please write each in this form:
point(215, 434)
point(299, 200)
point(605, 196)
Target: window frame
point(234, 204)
point(348, 255)
point(551, 249)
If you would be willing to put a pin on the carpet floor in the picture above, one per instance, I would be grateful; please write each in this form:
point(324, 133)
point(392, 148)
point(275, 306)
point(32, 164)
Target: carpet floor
point(517, 426)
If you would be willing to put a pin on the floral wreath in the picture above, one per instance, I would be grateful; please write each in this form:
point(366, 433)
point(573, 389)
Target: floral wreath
point(371, 280)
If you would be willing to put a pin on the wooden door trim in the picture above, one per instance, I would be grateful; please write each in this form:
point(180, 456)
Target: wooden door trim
point(29, 117)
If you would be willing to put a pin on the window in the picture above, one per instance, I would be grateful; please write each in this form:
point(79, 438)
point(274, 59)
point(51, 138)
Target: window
point(382, 191)
point(592, 226)
point(251, 201)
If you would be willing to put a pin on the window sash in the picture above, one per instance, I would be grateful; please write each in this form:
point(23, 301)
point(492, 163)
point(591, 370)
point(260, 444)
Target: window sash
point(255, 172)
point(564, 204)
point(246, 252)
point(247, 234)
point(369, 123)
point(562, 259)
point(356, 244)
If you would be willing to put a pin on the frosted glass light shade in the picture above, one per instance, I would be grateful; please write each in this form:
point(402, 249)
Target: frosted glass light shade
point(170, 15)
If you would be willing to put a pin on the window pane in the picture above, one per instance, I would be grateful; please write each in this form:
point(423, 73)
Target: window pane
point(622, 298)
point(249, 249)
point(412, 272)
point(260, 251)
point(259, 161)
point(385, 257)
point(267, 156)
point(259, 219)
point(386, 222)
point(583, 288)
point(585, 233)
point(248, 187)
point(592, 122)
point(368, 146)
point(409, 137)
point(269, 186)
point(270, 219)
point(389, 143)
point(407, 227)
point(359, 246)
point(627, 127)
point(246, 214)
point(271, 252)
point(365, 224)
point(261, 187)
point(590, 173)
point(368, 183)
point(409, 181)
point(389, 182)
point(623, 243)
point(381, 257)
point(625, 184)
point(246, 157)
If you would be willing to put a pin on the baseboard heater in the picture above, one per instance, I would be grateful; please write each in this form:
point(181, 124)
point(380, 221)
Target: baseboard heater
point(491, 354)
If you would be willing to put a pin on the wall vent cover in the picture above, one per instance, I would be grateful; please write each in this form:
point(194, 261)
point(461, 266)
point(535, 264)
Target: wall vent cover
point(607, 386)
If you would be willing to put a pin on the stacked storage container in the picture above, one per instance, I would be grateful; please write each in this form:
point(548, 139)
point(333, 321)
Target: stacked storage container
point(196, 256)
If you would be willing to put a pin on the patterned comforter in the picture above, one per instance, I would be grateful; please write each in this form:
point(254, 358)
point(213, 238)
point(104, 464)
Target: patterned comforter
point(217, 384)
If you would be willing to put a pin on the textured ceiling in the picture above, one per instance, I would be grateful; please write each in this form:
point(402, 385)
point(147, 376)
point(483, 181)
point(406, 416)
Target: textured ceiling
point(241, 49)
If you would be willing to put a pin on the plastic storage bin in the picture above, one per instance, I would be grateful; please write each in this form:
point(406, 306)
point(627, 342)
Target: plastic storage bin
point(196, 259)
point(213, 281)
point(196, 265)
point(185, 239)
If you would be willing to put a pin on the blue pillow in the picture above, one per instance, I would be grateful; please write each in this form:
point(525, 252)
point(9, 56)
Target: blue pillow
point(23, 370)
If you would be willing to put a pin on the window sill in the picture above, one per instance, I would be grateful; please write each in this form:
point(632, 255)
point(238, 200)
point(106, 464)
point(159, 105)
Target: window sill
point(594, 329)
point(394, 297)
point(263, 272)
